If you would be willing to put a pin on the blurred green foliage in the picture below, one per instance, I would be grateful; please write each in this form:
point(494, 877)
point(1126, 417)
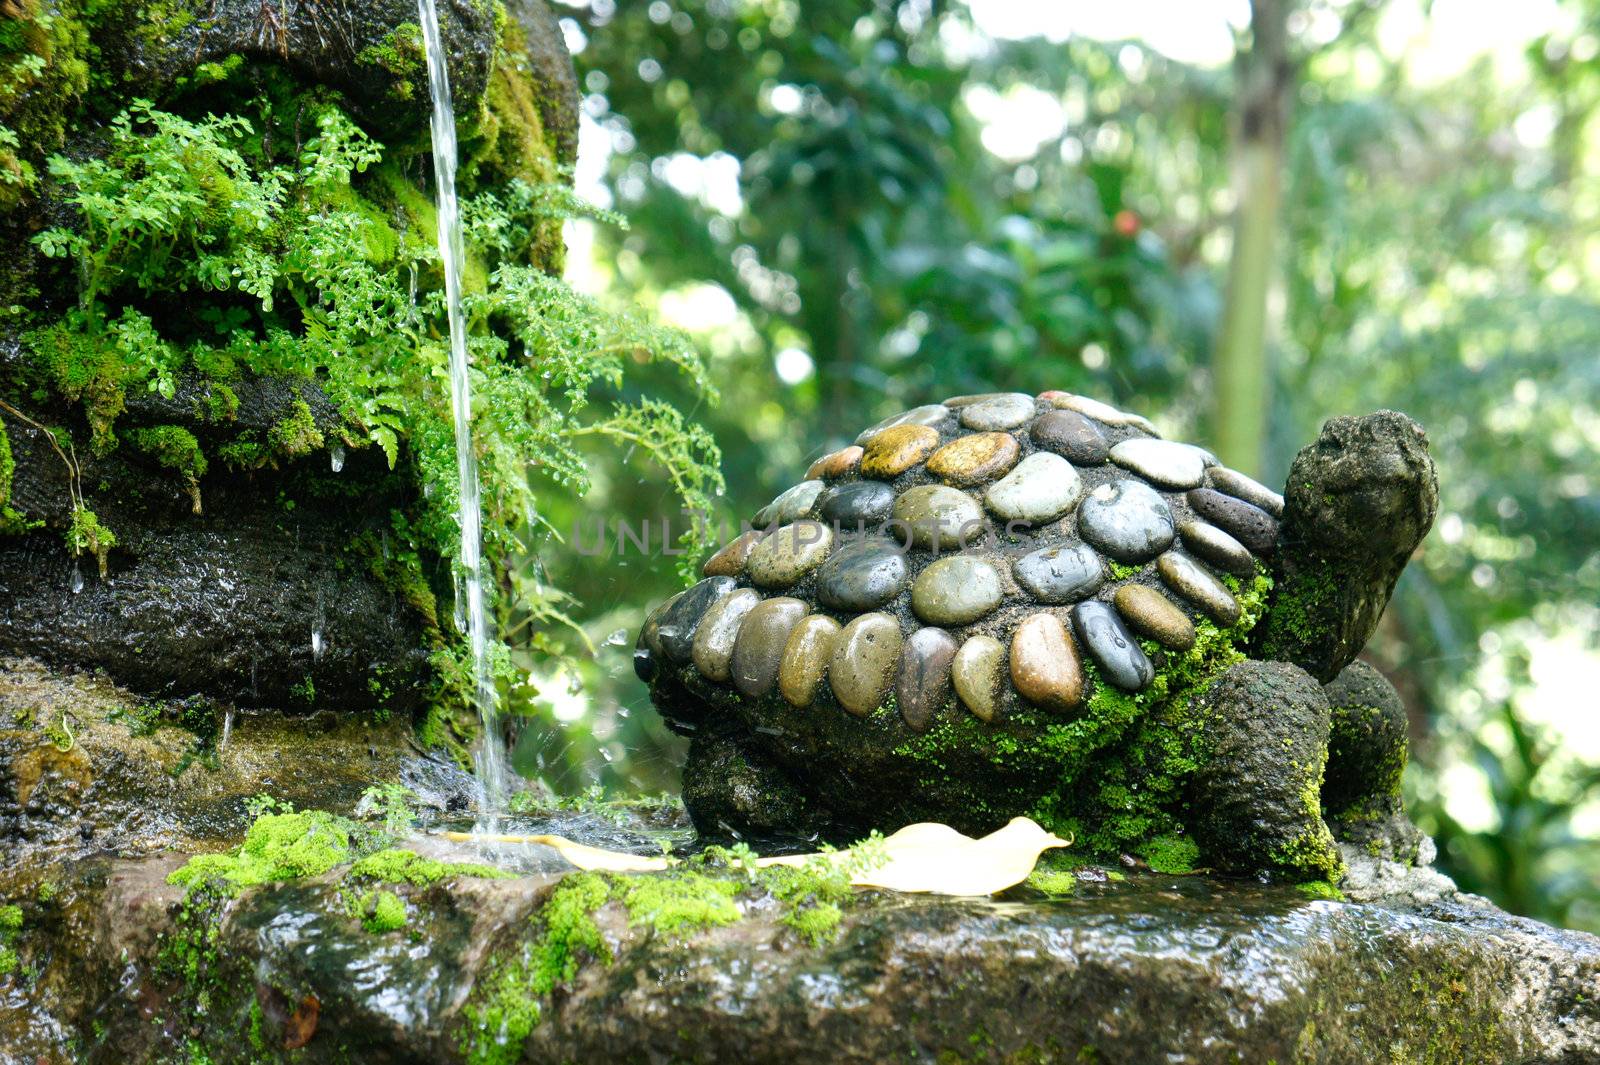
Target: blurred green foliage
point(1437, 256)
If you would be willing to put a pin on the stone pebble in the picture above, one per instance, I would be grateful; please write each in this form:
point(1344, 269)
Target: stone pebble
point(713, 642)
point(956, 590)
point(974, 458)
point(1126, 519)
point(1252, 491)
point(792, 504)
point(1104, 413)
point(788, 553)
point(923, 681)
point(978, 674)
point(928, 414)
point(1005, 411)
point(1107, 640)
point(647, 650)
point(1072, 436)
point(677, 627)
point(805, 658)
point(1042, 488)
point(1045, 668)
point(895, 450)
point(730, 560)
point(1152, 614)
point(862, 575)
point(758, 649)
point(1185, 576)
point(1245, 522)
point(1063, 574)
point(1162, 462)
point(840, 463)
point(865, 658)
point(857, 504)
point(1217, 548)
point(936, 518)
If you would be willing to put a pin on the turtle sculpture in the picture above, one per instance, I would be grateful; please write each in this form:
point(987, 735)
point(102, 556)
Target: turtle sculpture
point(1007, 604)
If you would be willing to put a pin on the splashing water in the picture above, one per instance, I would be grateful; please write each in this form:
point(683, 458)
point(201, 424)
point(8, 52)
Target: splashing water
point(490, 755)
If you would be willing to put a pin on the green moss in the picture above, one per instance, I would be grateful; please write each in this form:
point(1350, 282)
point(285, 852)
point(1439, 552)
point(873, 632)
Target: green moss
point(1176, 855)
point(10, 918)
point(396, 866)
point(1121, 571)
point(175, 448)
point(1057, 883)
point(678, 901)
point(278, 846)
point(296, 434)
point(381, 911)
point(506, 1007)
point(401, 55)
point(85, 535)
point(1320, 889)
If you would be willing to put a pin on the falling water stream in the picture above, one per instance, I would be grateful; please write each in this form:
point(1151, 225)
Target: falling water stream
point(490, 755)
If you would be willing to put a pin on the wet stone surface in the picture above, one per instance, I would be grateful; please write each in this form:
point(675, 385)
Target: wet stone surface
point(865, 658)
point(713, 643)
point(1152, 614)
point(840, 463)
point(923, 683)
point(956, 590)
point(1248, 524)
point(1042, 488)
point(1044, 663)
point(929, 414)
point(1101, 632)
point(1236, 484)
point(935, 517)
point(788, 553)
point(1162, 462)
point(1072, 436)
point(895, 450)
point(1005, 411)
point(974, 458)
point(978, 673)
point(859, 504)
point(805, 658)
point(862, 575)
point(731, 559)
point(1217, 547)
point(759, 647)
point(677, 627)
point(1186, 577)
point(792, 505)
point(1062, 574)
point(1126, 519)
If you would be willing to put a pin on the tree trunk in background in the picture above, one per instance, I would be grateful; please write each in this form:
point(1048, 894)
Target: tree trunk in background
point(1264, 86)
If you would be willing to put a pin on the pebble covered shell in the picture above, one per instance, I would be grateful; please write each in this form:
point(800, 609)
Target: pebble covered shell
point(986, 554)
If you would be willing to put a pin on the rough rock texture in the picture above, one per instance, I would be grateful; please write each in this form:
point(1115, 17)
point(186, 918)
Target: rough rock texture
point(89, 768)
point(1150, 968)
point(267, 598)
point(1358, 502)
point(351, 46)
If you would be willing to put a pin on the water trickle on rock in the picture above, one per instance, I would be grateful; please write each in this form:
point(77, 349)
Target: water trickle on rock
point(337, 457)
point(490, 755)
point(77, 579)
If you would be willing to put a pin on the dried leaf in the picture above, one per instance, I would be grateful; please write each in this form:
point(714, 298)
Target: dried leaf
point(926, 857)
point(302, 1024)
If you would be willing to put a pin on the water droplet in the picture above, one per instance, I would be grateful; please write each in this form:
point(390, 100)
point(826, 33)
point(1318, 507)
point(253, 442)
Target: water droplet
point(617, 639)
point(316, 645)
point(77, 579)
point(337, 457)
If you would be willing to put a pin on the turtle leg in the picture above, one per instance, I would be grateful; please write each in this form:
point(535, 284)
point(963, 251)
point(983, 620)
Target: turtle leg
point(733, 792)
point(1366, 757)
point(1257, 797)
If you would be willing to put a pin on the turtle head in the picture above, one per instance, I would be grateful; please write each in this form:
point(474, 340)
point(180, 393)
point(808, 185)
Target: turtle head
point(1358, 502)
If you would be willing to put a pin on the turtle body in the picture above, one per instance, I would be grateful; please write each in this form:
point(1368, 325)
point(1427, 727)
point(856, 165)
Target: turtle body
point(1011, 604)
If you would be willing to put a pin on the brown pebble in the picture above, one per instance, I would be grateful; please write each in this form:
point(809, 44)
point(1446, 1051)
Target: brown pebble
point(762, 638)
point(714, 639)
point(805, 658)
point(976, 672)
point(1044, 663)
point(1072, 436)
point(1152, 614)
point(730, 560)
point(897, 449)
point(1248, 524)
point(841, 463)
point(864, 660)
point(923, 683)
point(974, 458)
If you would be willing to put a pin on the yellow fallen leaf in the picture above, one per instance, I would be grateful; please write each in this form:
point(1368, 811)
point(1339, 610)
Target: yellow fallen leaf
point(585, 857)
point(926, 858)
